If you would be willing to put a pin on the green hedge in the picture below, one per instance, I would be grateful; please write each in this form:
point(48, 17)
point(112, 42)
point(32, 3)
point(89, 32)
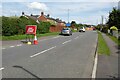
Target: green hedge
point(16, 26)
point(9, 26)
point(43, 27)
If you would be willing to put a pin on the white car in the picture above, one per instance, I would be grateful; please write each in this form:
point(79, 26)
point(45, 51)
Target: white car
point(82, 29)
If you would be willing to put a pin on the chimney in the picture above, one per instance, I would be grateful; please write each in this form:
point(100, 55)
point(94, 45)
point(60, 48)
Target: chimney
point(23, 13)
point(42, 13)
point(48, 15)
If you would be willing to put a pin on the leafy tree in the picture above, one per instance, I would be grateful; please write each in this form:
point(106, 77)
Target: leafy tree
point(73, 22)
point(9, 26)
point(43, 27)
point(13, 26)
point(22, 22)
point(114, 18)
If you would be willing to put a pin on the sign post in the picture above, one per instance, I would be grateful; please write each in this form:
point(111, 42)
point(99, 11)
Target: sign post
point(31, 29)
point(68, 24)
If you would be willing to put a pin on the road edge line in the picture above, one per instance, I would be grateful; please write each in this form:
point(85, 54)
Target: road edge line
point(67, 41)
point(95, 66)
point(95, 61)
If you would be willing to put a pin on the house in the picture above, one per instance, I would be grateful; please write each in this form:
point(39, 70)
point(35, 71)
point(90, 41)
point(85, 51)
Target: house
point(42, 17)
point(56, 24)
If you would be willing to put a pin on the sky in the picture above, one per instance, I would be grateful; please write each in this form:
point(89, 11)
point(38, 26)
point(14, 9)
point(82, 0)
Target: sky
point(81, 11)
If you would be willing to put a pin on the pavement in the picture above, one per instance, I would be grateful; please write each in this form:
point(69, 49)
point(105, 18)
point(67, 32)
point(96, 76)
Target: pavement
point(108, 65)
point(54, 57)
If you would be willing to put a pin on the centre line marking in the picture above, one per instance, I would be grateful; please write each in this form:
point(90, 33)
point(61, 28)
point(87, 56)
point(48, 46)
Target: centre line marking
point(56, 37)
point(12, 46)
point(66, 41)
point(42, 52)
point(19, 45)
point(76, 38)
point(3, 48)
point(2, 68)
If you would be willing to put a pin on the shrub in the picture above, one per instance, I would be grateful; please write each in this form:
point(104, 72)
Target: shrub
point(9, 26)
point(13, 26)
point(43, 27)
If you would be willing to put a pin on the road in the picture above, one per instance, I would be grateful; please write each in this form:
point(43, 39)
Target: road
point(54, 57)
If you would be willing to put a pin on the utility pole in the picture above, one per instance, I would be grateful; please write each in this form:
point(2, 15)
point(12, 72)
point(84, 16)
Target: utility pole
point(102, 19)
point(119, 5)
point(101, 23)
point(68, 15)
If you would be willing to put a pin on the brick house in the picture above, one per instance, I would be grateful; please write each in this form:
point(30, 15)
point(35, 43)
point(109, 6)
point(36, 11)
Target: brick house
point(56, 24)
point(42, 17)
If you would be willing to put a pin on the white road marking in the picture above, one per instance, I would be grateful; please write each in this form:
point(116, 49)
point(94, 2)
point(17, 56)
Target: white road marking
point(76, 37)
point(2, 68)
point(56, 37)
point(66, 41)
point(49, 38)
point(42, 52)
point(95, 66)
point(12, 46)
point(3, 48)
point(19, 45)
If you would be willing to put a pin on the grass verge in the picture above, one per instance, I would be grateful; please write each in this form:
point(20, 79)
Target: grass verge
point(117, 41)
point(20, 37)
point(102, 45)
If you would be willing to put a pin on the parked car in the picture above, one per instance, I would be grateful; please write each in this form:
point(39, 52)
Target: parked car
point(94, 28)
point(66, 31)
point(82, 29)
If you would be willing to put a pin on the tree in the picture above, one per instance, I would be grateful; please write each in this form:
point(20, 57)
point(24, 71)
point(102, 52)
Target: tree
point(114, 18)
point(9, 26)
point(22, 22)
point(73, 22)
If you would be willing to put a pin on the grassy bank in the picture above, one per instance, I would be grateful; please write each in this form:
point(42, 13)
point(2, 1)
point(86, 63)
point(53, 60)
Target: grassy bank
point(20, 37)
point(114, 39)
point(102, 45)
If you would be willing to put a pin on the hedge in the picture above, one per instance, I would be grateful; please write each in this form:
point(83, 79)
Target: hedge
point(16, 26)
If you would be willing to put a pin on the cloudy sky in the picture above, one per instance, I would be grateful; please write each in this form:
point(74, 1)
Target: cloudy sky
point(81, 11)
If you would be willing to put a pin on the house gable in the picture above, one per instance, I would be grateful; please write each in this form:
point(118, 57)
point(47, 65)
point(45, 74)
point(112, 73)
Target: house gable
point(42, 17)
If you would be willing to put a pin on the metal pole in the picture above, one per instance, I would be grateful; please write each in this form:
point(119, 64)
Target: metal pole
point(119, 5)
point(102, 19)
point(68, 15)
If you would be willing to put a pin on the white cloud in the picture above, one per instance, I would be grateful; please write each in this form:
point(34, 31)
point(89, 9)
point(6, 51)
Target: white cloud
point(15, 0)
point(37, 5)
point(60, 0)
point(81, 12)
